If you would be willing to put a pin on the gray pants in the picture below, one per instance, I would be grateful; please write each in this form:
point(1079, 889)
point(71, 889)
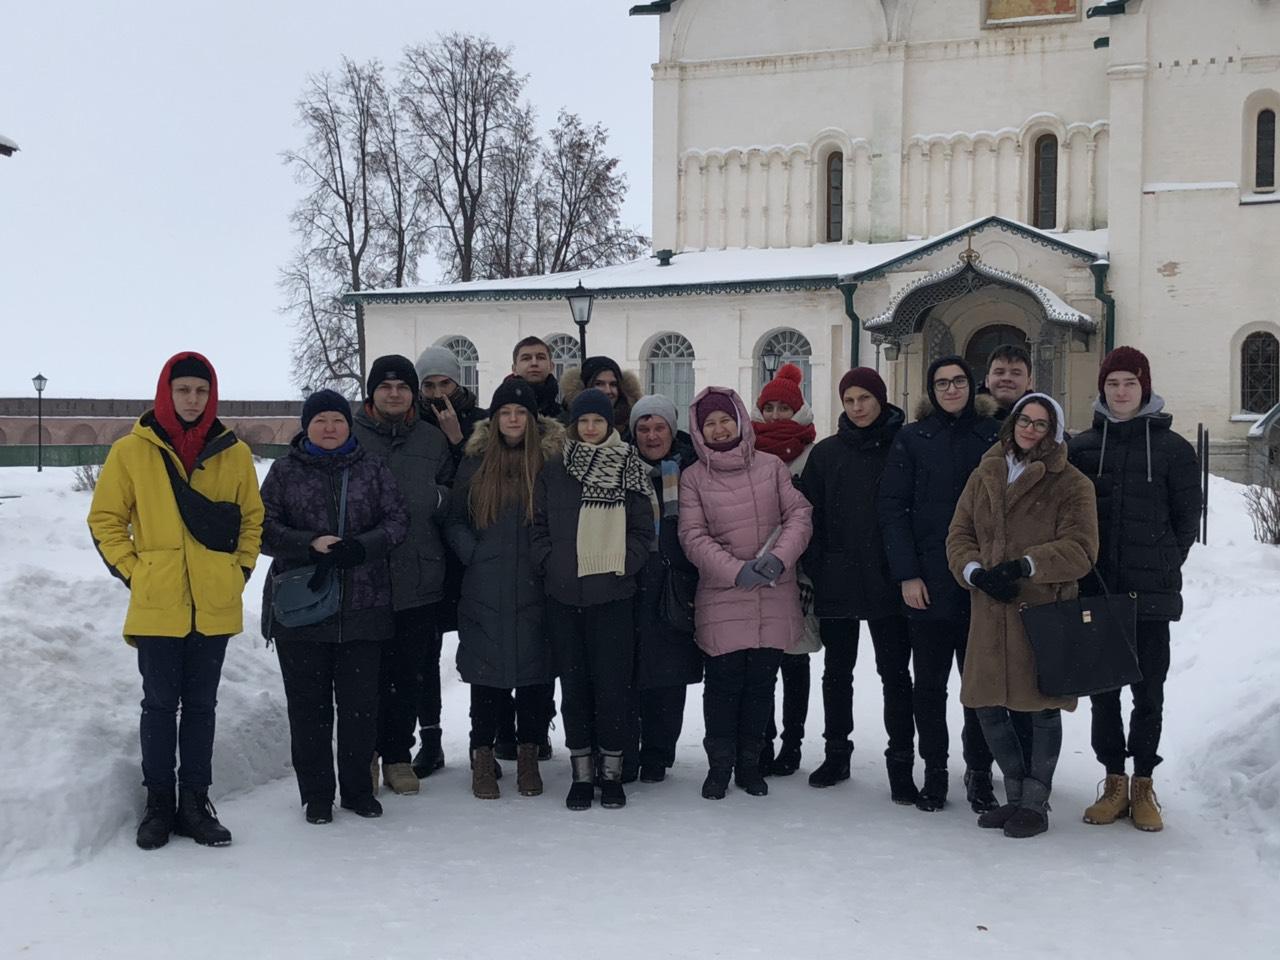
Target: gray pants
point(1027, 782)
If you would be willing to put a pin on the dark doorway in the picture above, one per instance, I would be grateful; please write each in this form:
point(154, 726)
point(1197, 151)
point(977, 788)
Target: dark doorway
point(986, 340)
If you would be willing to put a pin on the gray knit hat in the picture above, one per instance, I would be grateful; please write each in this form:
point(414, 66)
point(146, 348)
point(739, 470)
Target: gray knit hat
point(654, 405)
point(438, 362)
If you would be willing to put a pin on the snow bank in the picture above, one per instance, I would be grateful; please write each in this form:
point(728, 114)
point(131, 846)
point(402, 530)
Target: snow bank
point(69, 759)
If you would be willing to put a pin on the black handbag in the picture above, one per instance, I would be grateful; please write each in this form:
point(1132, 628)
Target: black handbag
point(675, 603)
point(1086, 645)
point(215, 524)
point(294, 603)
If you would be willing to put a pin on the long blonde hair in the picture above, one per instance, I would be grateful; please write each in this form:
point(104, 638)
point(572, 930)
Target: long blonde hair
point(506, 474)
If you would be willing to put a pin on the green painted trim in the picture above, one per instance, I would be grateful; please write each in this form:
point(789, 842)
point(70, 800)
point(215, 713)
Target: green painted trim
point(1100, 268)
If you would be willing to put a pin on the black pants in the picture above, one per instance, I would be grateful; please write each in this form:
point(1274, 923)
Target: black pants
point(653, 726)
point(429, 687)
point(507, 715)
point(488, 705)
point(892, 647)
point(737, 695)
point(315, 676)
point(934, 645)
point(594, 650)
point(1028, 782)
point(1147, 719)
point(179, 672)
point(795, 700)
point(401, 678)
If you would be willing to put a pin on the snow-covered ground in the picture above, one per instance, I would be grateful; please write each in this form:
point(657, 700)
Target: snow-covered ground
point(800, 873)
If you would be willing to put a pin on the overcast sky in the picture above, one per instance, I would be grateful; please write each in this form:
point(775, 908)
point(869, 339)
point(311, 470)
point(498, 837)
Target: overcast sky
point(147, 211)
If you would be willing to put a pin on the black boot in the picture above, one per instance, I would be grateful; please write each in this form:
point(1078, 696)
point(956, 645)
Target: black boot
point(612, 796)
point(366, 806)
point(835, 767)
point(720, 754)
point(902, 783)
point(746, 773)
point(430, 755)
point(934, 795)
point(198, 820)
point(157, 822)
point(582, 792)
point(787, 761)
point(979, 791)
point(766, 759)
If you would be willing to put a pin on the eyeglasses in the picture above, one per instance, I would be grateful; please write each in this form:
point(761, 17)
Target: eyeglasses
point(956, 383)
point(1025, 422)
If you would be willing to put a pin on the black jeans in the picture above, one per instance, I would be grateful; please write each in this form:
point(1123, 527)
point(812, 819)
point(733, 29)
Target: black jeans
point(795, 700)
point(315, 675)
point(487, 708)
point(429, 687)
point(934, 645)
point(507, 715)
point(595, 650)
point(653, 726)
point(179, 672)
point(737, 695)
point(1147, 719)
point(400, 680)
point(1026, 782)
point(889, 639)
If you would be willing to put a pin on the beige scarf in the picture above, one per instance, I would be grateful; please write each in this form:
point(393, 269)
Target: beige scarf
point(607, 472)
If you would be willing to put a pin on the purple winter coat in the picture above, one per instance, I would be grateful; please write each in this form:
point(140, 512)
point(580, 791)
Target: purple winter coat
point(730, 502)
point(300, 494)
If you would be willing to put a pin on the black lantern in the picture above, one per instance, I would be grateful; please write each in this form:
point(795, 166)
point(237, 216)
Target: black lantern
point(580, 300)
point(770, 362)
point(39, 381)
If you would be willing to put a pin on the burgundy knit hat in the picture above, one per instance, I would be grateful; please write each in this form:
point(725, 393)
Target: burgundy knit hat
point(1130, 360)
point(713, 402)
point(783, 388)
point(868, 380)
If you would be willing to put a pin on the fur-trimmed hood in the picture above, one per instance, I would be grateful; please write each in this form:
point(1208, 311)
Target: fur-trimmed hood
point(984, 405)
point(571, 385)
point(553, 437)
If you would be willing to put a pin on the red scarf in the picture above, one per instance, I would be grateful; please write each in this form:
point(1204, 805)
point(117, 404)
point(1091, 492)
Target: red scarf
point(187, 441)
point(785, 439)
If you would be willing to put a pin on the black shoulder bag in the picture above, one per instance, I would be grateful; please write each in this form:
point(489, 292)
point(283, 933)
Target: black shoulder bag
point(675, 603)
point(214, 523)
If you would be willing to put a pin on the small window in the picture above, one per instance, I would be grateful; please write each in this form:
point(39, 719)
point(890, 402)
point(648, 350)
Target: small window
point(835, 198)
point(1264, 178)
point(564, 353)
point(783, 347)
point(1259, 373)
point(468, 357)
point(1044, 187)
point(670, 362)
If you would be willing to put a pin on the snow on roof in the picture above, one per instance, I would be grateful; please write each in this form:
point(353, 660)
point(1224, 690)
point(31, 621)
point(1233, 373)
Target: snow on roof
point(7, 145)
point(818, 266)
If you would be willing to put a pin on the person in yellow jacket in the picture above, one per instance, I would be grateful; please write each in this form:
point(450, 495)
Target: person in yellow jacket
point(177, 517)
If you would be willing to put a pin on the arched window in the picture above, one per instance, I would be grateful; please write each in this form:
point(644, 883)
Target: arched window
point(1044, 185)
point(785, 346)
point(1259, 373)
point(468, 356)
point(835, 198)
point(564, 353)
point(670, 368)
point(1264, 177)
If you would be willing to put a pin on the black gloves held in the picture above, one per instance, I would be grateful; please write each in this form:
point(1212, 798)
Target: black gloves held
point(347, 554)
point(1012, 570)
point(998, 588)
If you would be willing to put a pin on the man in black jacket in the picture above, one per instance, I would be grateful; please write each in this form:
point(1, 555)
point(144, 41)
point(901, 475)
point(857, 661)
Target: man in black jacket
point(1147, 481)
point(445, 403)
point(531, 360)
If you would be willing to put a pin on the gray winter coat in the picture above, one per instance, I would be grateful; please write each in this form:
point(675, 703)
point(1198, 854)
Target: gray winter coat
point(419, 458)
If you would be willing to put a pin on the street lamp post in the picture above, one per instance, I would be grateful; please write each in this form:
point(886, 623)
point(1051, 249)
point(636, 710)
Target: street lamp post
point(39, 381)
point(580, 306)
point(770, 362)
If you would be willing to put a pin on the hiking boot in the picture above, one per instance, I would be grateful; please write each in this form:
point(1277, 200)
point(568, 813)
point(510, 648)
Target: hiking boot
point(933, 795)
point(198, 819)
point(367, 807)
point(787, 761)
point(157, 822)
point(720, 754)
point(430, 755)
point(835, 767)
point(979, 791)
point(484, 785)
point(652, 773)
point(400, 778)
point(1112, 802)
point(528, 779)
point(505, 750)
point(319, 811)
point(1026, 822)
point(1144, 808)
point(902, 781)
point(582, 792)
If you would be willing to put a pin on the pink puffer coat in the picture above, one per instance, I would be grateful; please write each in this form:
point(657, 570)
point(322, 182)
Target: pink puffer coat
point(730, 503)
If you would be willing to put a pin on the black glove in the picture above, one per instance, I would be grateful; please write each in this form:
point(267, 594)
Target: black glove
point(768, 566)
point(998, 589)
point(1012, 570)
point(324, 570)
point(347, 554)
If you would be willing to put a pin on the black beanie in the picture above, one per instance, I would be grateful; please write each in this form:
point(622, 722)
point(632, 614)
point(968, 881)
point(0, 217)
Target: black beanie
point(591, 401)
point(190, 367)
point(592, 367)
point(952, 361)
point(515, 390)
point(323, 401)
point(392, 367)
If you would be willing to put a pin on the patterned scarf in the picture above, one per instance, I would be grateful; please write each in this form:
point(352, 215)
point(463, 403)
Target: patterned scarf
point(785, 439)
point(666, 477)
point(607, 472)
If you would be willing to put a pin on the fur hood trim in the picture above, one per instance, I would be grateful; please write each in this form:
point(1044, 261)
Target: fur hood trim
point(571, 385)
point(984, 405)
point(552, 431)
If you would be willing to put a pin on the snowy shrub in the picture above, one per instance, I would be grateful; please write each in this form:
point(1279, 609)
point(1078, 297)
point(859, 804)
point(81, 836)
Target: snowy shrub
point(1263, 501)
point(85, 477)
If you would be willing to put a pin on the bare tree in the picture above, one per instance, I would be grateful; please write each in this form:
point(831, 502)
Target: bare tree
point(506, 242)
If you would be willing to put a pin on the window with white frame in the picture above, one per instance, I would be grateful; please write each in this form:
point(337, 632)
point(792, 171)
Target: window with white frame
point(468, 358)
point(782, 347)
point(564, 353)
point(670, 372)
point(1259, 372)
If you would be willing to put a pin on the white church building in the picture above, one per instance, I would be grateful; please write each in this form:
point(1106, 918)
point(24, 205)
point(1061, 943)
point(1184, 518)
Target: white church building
point(882, 182)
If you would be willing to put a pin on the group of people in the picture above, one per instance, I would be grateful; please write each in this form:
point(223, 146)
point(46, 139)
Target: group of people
point(573, 532)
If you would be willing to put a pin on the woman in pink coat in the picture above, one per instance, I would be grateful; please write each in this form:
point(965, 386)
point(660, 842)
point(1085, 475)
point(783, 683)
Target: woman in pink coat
point(744, 526)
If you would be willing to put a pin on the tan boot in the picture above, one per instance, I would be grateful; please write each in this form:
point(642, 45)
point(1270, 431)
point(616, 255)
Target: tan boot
point(484, 785)
point(374, 771)
point(528, 779)
point(1144, 807)
point(400, 778)
point(1112, 802)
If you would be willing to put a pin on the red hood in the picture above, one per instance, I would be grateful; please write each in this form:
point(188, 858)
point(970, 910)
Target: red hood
point(190, 441)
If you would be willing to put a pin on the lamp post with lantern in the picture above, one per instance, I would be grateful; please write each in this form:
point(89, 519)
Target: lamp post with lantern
point(39, 381)
point(580, 300)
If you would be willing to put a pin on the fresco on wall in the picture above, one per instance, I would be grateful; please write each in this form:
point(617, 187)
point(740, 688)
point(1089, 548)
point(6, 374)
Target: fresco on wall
point(1010, 11)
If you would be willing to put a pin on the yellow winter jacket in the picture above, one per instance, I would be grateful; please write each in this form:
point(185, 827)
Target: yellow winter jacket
point(176, 584)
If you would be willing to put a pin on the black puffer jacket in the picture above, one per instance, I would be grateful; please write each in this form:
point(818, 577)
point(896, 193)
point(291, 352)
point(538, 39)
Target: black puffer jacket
point(1147, 481)
point(846, 559)
point(666, 657)
point(928, 467)
point(502, 639)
